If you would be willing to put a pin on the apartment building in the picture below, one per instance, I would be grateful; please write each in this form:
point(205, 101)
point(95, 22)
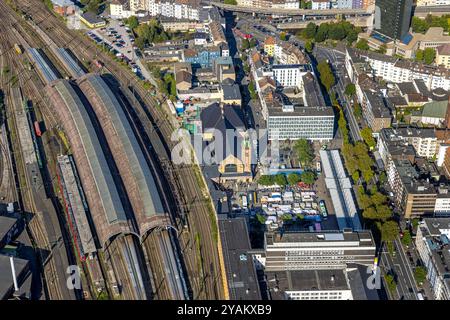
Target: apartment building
point(433, 245)
point(443, 55)
point(414, 195)
point(290, 75)
point(179, 9)
point(376, 110)
point(269, 46)
point(423, 140)
point(321, 4)
point(395, 70)
point(286, 53)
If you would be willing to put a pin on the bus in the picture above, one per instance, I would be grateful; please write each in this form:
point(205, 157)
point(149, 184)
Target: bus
point(323, 209)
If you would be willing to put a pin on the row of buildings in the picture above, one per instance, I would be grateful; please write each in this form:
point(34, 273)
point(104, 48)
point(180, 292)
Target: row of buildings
point(179, 9)
point(314, 4)
point(388, 89)
point(407, 154)
point(433, 245)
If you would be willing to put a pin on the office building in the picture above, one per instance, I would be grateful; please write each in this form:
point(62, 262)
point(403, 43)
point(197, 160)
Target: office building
point(393, 18)
point(309, 285)
point(317, 250)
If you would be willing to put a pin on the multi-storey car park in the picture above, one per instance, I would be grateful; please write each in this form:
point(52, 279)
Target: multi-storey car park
point(127, 153)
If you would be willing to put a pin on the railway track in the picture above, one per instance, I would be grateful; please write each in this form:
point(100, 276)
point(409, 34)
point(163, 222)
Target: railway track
point(209, 284)
point(54, 276)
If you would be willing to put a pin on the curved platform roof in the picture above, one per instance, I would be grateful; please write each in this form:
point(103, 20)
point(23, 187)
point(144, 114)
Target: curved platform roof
point(100, 188)
point(134, 169)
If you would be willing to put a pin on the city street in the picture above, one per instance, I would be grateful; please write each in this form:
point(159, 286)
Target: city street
point(401, 268)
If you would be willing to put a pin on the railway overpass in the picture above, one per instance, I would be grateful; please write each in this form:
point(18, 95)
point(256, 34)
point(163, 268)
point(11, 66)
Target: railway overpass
point(422, 12)
point(290, 12)
point(363, 22)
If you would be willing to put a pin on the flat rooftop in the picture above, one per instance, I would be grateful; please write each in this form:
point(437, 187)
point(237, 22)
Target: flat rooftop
point(305, 280)
point(6, 280)
point(6, 223)
point(241, 273)
point(317, 237)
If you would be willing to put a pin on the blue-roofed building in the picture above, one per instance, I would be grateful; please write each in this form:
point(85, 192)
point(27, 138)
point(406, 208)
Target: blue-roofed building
point(202, 57)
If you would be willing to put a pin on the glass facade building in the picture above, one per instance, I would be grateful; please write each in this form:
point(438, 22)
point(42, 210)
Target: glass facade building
point(393, 18)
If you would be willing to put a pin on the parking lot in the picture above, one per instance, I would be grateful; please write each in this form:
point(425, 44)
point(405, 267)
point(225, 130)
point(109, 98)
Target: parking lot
point(118, 39)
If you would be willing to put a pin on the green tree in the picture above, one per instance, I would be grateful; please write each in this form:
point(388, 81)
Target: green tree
point(49, 4)
point(304, 152)
point(389, 231)
point(429, 54)
point(93, 6)
point(322, 32)
point(309, 46)
point(308, 177)
point(366, 134)
point(419, 25)
point(304, 4)
point(419, 55)
point(365, 201)
point(350, 90)
point(382, 178)
point(355, 176)
point(231, 2)
point(293, 179)
point(326, 75)
point(406, 239)
point(362, 44)
point(245, 44)
point(310, 31)
point(252, 90)
point(342, 124)
point(420, 274)
point(261, 219)
point(283, 36)
point(266, 180)
point(357, 110)
point(132, 22)
point(378, 198)
point(383, 212)
point(337, 32)
point(286, 217)
point(352, 36)
point(390, 282)
point(280, 179)
point(382, 49)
